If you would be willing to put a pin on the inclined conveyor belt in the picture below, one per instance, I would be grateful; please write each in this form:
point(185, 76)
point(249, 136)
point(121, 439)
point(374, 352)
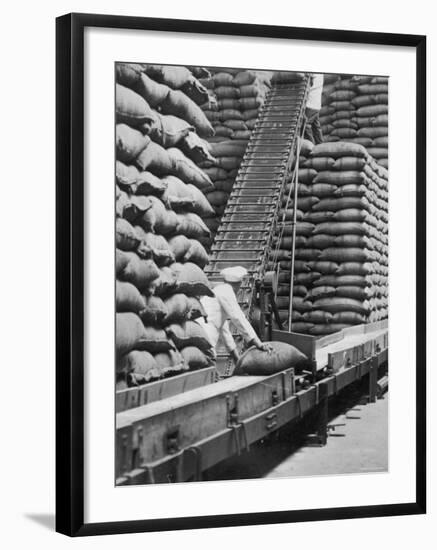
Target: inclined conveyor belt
point(245, 235)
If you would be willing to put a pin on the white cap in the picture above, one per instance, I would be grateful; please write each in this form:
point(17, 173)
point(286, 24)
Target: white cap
point(233, 274)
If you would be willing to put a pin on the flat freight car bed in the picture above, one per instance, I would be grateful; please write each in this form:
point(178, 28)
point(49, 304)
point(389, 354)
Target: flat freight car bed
point(176, 439)
point(336, 350)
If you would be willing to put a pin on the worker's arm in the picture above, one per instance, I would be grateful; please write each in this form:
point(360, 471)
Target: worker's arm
point(231, 307)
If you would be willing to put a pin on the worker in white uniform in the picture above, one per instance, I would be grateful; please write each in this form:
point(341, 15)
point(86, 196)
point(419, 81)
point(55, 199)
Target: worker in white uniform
point(313, 130)
point(224, 308)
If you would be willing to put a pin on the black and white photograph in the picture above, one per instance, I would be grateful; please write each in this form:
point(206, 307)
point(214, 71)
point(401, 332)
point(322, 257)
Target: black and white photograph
point(251, 273)
point(216, 275)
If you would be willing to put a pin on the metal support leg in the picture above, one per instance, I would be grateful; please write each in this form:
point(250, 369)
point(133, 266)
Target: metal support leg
point(373, 380)
point(320, 437)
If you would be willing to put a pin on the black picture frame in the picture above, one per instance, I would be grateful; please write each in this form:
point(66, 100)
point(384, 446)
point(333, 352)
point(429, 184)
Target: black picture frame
point(70, 273)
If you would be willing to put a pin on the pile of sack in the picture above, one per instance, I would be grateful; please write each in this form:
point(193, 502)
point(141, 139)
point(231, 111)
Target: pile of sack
point(341, 257)
point(160, 228)
point(235, 97)
point(355, 108)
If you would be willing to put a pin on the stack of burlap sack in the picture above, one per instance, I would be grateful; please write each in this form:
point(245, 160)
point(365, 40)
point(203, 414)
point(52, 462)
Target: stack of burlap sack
point(235, 97)
point(160, 228)
point(355, 109)
point(341, 258)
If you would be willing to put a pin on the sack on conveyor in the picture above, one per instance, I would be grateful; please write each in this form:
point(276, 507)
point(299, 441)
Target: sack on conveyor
point(262, 363)
point(195, 358)
point(188, 333)
point(131, 108)
point(191, 280)
point(139, 366)
point(287, 77)
point(128, 298)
